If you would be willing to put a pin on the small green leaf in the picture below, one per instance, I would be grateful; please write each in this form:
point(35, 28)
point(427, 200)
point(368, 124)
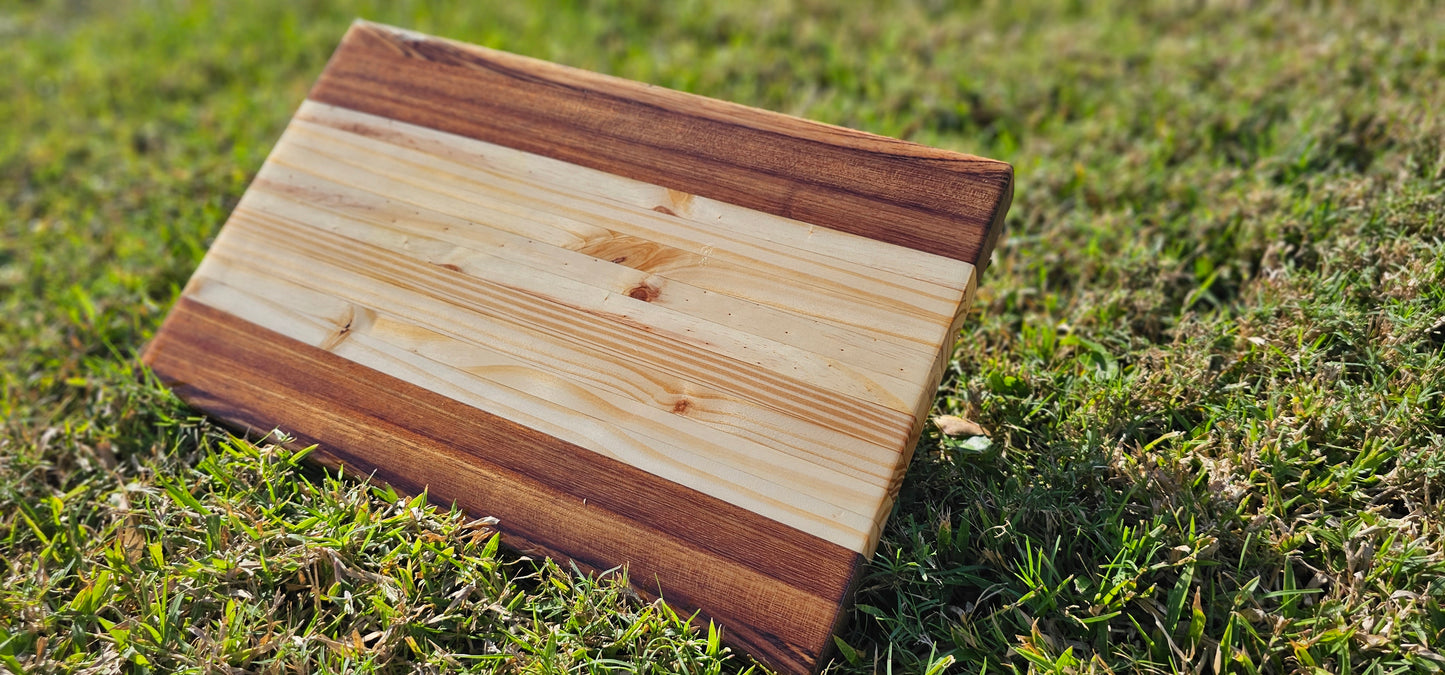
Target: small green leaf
point(850, 654)
point(301, 454)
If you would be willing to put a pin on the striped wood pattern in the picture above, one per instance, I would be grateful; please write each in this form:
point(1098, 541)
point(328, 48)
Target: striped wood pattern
point(638, 326)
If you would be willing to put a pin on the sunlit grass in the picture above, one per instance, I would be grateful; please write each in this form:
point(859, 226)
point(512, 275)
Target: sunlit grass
point(1207, 352)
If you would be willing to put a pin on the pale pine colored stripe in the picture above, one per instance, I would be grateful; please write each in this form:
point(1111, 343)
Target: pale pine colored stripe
point(797, 280)
point(688, 405)
point(548, 403)
point(772, 286)
point(563, 199)
point(529, 296)
point(535, 330)
point(721, 218)
point(442, 238)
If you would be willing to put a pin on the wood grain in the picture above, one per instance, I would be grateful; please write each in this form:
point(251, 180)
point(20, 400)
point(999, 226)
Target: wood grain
point(812, 492)
point(914, 196)
point(639, 327)
point(776, 590)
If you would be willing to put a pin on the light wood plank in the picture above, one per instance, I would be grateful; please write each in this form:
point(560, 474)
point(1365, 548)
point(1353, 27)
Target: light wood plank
point(887, 306)
point(767, 483)
point(735, 422)
point(707, 215)
point(790, 433)
point(529, 323)
point(507, 258)
point(404, 221)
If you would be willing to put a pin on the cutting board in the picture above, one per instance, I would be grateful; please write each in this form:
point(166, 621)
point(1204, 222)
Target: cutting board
point(640, 327)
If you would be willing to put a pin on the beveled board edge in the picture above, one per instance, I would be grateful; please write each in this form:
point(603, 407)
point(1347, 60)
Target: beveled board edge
point(895, 191)
point(778, 592)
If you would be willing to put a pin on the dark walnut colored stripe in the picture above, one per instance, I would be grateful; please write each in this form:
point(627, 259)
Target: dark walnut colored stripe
point(777, 591)
point(903, 193)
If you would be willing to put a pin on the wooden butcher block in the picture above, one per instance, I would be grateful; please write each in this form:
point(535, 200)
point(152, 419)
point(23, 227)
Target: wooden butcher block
point(640, 327)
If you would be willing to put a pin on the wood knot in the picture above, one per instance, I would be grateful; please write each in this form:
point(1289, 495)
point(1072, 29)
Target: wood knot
point(678, 201)
point(681, 407)
point(342, 331)
point(644, 292)
point(663, 209)
point(448, 266)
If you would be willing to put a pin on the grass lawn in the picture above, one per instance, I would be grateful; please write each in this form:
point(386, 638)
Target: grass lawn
point(1209, 351)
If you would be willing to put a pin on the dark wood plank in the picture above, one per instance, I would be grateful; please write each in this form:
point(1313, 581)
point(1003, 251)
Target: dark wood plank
point(776, 590)
point(890, 190)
